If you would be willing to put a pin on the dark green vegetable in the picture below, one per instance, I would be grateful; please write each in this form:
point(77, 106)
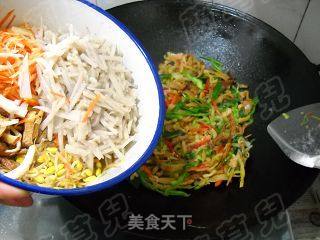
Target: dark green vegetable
point(217, 90)
point(170, 192)
point(255, 102)
point(215, 64)
point(305, 120)
point(145, 182)
point(165, 76)
point(180, 180)
point(193, 164)
point(228, 104)
point(181, 110)
point(198, 82)
point(173, 134)
point(209, 152)
point(235, 113)
point(189, 155)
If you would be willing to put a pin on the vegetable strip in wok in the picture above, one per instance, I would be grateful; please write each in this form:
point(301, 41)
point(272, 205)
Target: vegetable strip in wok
point(203, 140)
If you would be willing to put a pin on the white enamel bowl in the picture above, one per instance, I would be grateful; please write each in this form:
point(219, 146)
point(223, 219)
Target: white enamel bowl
point(87, 18)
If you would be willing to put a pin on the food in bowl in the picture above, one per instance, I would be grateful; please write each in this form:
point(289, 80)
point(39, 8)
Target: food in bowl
point(68, 106)
point(204, 138)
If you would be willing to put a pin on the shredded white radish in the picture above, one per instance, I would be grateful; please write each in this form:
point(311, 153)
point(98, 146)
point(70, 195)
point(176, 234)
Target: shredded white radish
point(13, 107)
point(88, 95)
point(24, 166)
point(24, 79)
point(8, 122)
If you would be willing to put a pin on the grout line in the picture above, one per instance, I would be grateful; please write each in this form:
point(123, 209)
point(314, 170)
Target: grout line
point(300, 24)
point(290, 229)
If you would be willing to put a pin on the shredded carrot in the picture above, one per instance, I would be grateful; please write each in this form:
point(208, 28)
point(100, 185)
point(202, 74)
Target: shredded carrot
point(89, 112)
point(203, 127)
point(169, 145)
point(31, 102)
point(146, 170)
point(215, 106)
point(206, 87)
point(11, 21)
point(6, 17)
point(201, 167)
point(218, 183)
point(202, 142)
point(55, 139)
point(16, 45)
point(67, 165)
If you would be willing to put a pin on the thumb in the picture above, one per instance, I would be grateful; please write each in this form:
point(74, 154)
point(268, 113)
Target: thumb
point(14, 197)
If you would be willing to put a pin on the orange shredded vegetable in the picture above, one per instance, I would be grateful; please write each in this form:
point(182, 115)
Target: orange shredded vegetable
point(15, 44)
point(89, 112)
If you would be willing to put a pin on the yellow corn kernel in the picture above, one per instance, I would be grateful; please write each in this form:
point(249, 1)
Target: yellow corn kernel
point(52, 150)
point(99, 165)
point(89, 179)
point(50, 164)
point(33, 171)
point(61, 172)
point(20, 159)
point(51, 170)
point(43, 170)
point(88, 172)
point(60, 166)
point(78, 165)
point(39, 179)
point(41, 159)
point(98, 172)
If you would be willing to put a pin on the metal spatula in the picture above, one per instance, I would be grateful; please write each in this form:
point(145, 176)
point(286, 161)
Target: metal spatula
point(298, 135)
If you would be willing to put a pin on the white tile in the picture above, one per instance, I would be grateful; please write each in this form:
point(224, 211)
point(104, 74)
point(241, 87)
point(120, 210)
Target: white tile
point(283, 15)
point(308, 39)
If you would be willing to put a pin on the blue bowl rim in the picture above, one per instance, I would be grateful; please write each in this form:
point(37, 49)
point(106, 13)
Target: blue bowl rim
point(139, 162)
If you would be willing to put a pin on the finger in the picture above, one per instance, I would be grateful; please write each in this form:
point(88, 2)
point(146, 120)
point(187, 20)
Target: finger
point(14, 196)
point(22, 202)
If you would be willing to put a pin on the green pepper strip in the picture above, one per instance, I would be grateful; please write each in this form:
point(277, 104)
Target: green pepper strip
point(165, 76)
point(215, 64)
point(217, 90)
point(173, 134)
point(180, 180)
point(195, 80)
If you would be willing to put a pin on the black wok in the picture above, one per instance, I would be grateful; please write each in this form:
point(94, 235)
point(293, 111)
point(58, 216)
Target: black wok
point(254, 53)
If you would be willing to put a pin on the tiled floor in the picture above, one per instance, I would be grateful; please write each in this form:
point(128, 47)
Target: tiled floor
point(308, 38)
point(284, 15)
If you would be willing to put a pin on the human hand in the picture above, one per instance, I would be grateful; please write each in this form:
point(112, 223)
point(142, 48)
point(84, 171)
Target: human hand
point(14, 197)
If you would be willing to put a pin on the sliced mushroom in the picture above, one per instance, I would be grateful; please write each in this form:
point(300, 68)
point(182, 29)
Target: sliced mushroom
point(6, 122)
point(31, 127)
point(24, 166)
point(12, 138)
point(2, 130)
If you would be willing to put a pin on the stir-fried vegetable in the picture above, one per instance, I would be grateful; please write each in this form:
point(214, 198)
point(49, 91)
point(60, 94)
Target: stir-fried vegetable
point(203, 139)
